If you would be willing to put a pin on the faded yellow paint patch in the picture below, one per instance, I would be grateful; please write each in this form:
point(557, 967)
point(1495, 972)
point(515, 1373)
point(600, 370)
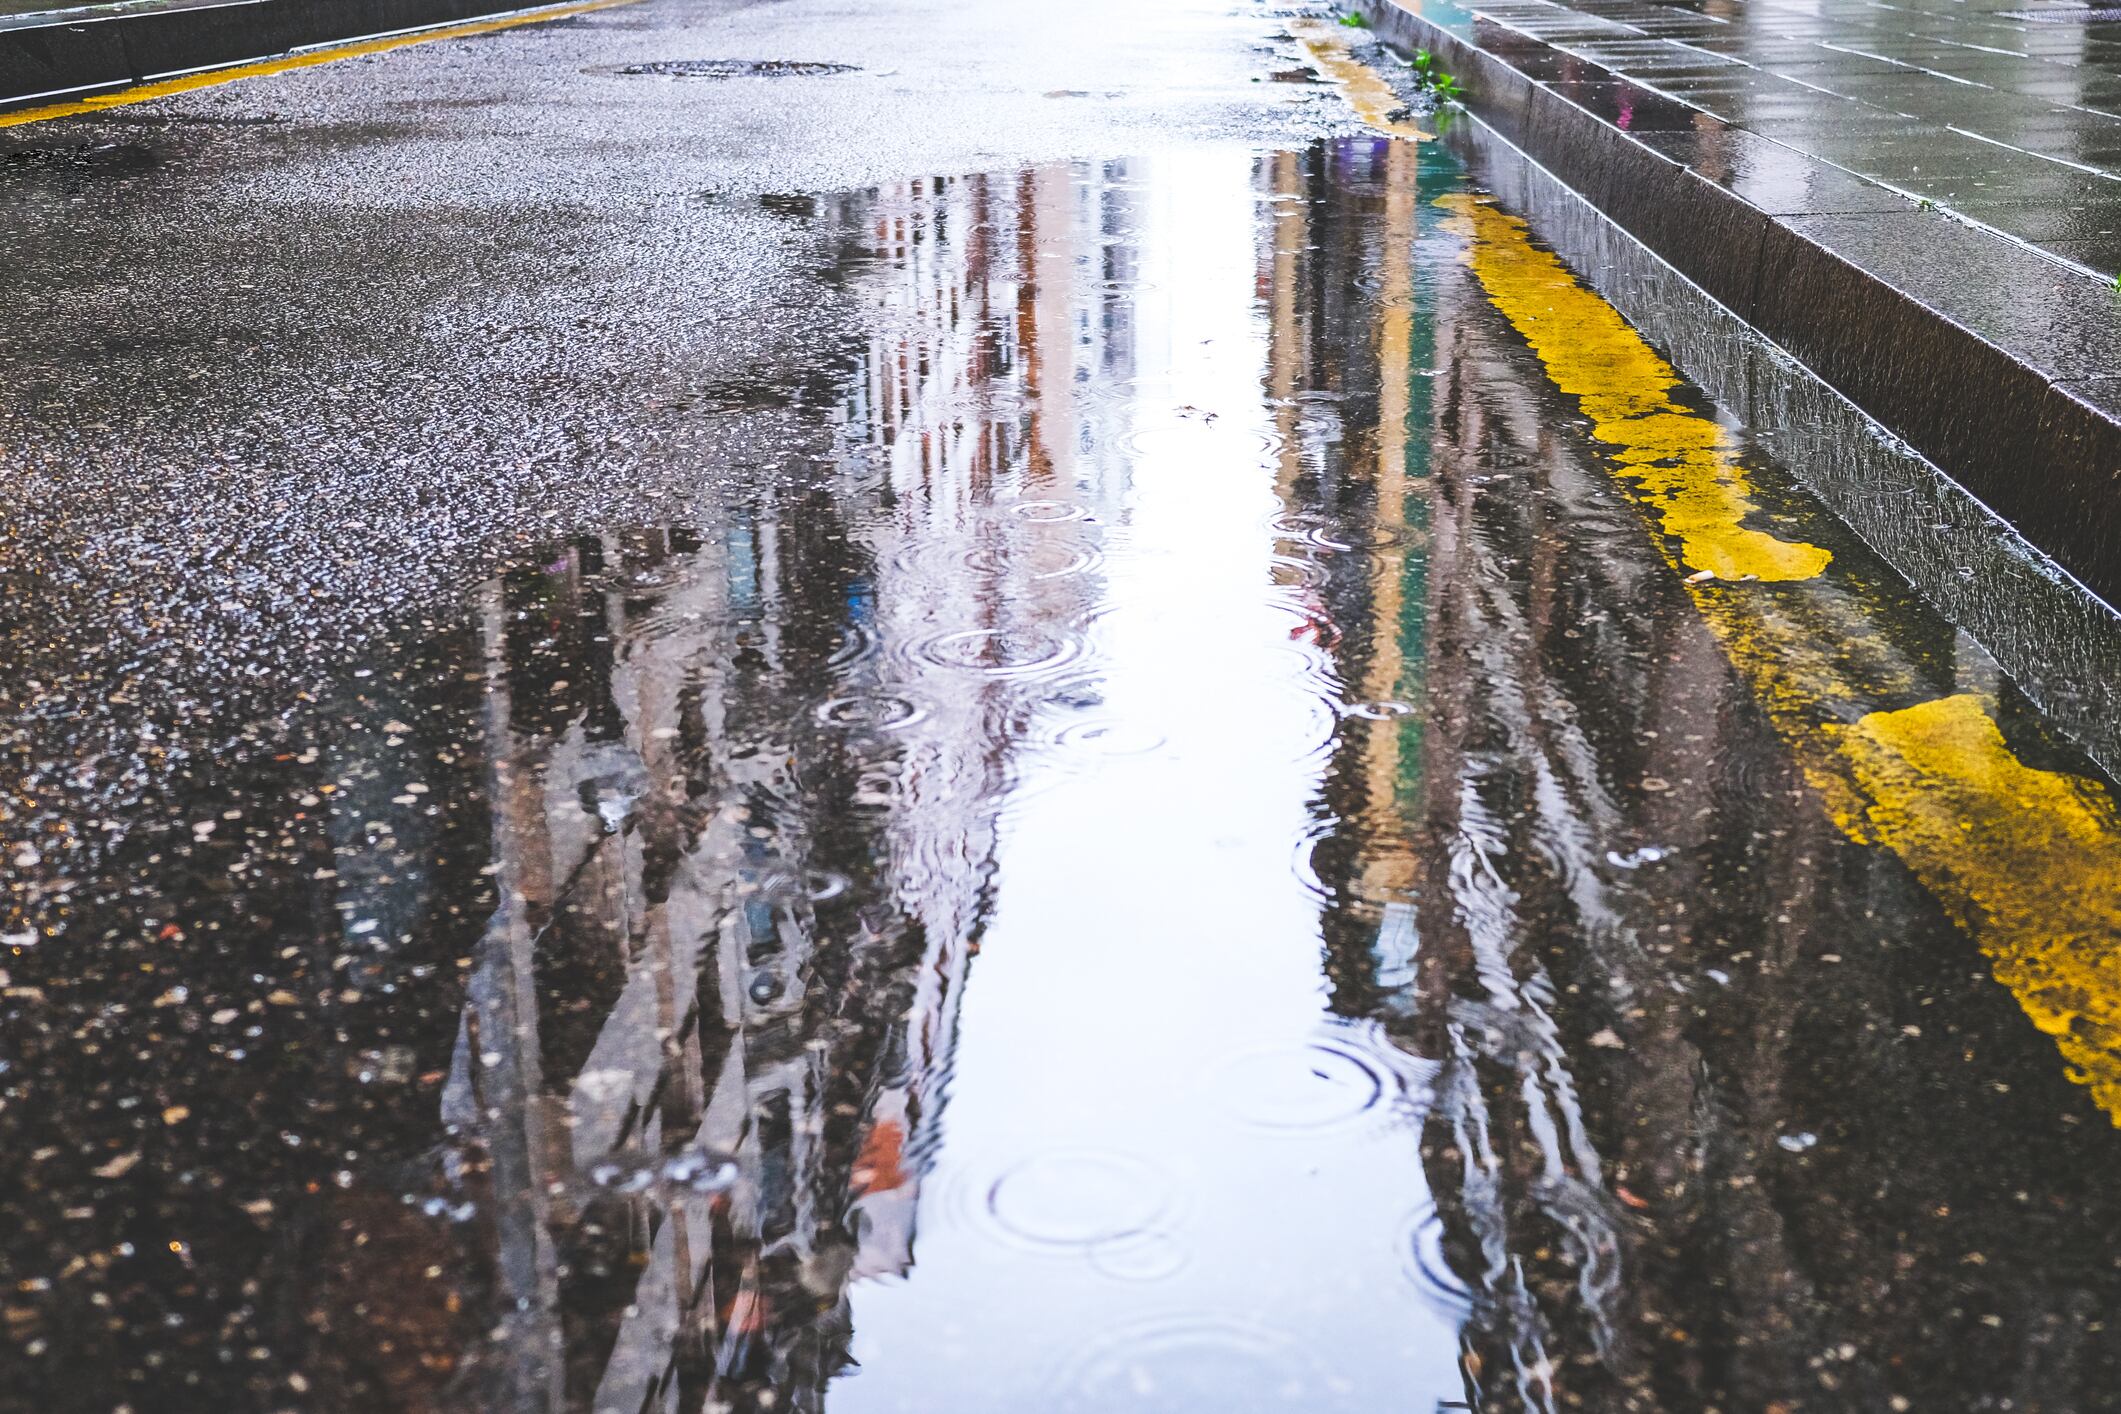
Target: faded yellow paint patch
point(2028, 861)
point(304, 59)
point(1373, 100)
point(1683, 466)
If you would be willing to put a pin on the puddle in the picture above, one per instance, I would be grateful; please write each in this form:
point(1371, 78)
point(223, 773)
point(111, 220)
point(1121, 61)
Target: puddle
point(1219, 855)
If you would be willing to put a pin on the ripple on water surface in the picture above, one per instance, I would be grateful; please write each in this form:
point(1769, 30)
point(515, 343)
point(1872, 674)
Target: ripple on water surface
point(1298, 1087)
point(1041, 562)
point(1192, 1363)
point(1198, 435)
point(1110, 736)
point(1143, 1257)
point(1048, 512)
point(1422, 1259)
point(1297, 572)
point(1076, 1199)
point(1015, 652)
point(1317, 533)
point(815, 885)
point(882, 712)
point(853, 643)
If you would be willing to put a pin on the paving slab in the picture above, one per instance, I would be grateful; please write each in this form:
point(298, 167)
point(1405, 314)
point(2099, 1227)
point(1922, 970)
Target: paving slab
point(1918, 202)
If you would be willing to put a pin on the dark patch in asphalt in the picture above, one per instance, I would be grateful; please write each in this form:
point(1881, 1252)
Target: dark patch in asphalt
point(793, 205)
point(82, 157)
point(728, 69)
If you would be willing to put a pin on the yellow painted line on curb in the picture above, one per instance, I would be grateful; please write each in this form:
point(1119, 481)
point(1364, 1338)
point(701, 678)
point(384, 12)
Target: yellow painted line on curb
point(301, 59)
point(2026, 861)
point(1682, 464)
point(1373, 100)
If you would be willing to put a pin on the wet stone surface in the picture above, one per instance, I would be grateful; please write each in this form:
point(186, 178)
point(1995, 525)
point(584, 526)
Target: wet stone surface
point(1246, 805)
point(2000, 114)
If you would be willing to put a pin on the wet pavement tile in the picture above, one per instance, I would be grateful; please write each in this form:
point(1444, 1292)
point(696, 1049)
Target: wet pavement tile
point(1912, 149)
point(2010, 294)
point(1777, 112)
point(2072, 134)
point(1630, 107)
point(1281, 817)
point(1834, 84)
point(2052, 226)
point(2027, 186)
point(1835, 72)
point(2099, 251)
point(1771, 177)
point(1753, 48)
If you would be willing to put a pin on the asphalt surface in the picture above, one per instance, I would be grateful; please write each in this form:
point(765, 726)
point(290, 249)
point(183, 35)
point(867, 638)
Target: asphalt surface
point(1035, 725)
point(289, 357)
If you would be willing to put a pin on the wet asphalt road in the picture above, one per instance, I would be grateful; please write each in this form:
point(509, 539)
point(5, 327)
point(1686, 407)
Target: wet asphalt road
point(1036, 727)
point(289, 356)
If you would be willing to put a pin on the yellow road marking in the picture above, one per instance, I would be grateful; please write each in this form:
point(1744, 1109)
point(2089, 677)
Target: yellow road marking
point(1682, 464)
point(302, 59)
point(1373, 100)
point(2026, 861)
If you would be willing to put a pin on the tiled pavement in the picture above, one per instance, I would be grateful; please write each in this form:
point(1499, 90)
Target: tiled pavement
point(2006, 113)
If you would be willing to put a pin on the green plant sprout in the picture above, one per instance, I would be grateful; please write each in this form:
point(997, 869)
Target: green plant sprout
point(1431, 76)
point(1354, 20)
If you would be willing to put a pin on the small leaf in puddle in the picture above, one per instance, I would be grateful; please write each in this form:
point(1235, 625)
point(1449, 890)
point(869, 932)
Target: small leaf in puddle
point(118, 1167)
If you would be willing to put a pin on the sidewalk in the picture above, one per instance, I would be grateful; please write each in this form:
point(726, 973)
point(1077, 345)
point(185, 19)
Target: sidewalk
point(64, 53)
point(2011, 121)
point(1920, 201)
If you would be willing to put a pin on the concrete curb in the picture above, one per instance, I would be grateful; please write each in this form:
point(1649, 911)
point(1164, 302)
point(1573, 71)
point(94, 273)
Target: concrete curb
point(1997, 364)
point(51, 60)
point(2057, 641)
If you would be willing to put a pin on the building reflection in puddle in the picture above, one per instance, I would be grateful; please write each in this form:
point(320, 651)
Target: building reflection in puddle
point(1047, 676)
